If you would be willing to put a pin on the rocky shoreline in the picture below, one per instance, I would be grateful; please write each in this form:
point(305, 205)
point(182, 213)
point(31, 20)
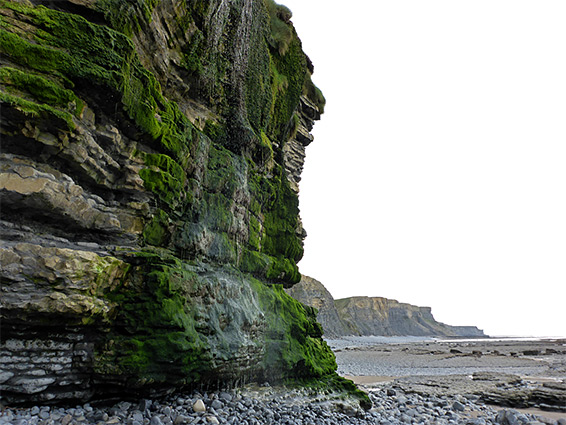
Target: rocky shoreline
point(278, 405)
point(517, 373)
point(434, 397)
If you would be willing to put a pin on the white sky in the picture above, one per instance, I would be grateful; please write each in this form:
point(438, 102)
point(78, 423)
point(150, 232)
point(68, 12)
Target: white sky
point(437, 176)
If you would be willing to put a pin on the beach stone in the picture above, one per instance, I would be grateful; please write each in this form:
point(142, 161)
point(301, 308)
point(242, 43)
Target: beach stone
point(227, 397)
point(155, 420)
point(144, 405)
point(477, 421)
point(507, 417)
point(411, 412)
point(212, 420)
point(199, 406)
point(44, 414)
point(217, 404)
point(182, 419)
point(459, 407)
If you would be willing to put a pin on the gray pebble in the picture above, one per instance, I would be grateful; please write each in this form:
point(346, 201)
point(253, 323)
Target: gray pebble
point(391, 407)
point(217, 404)
point(155, 420)
point(458, 407)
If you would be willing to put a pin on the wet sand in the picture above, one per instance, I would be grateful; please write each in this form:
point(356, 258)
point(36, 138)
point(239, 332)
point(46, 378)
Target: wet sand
point(516, 373)
point(542, 360)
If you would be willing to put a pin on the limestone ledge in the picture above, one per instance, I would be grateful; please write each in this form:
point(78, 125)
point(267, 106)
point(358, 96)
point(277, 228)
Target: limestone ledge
point(49, 280)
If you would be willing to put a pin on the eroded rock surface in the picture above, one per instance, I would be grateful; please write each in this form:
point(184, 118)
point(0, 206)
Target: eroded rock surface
point(150, 158)
point(372, 316)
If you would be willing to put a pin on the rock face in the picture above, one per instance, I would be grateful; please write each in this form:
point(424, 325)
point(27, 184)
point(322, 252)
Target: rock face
point(313, 293)
point(151, 152)
point(383, 316)
point(372, 316)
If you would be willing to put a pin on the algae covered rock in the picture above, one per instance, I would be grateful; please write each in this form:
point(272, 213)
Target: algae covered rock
point(151, 152)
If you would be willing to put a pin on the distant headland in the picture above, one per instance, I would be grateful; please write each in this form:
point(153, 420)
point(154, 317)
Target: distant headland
point(366, 316)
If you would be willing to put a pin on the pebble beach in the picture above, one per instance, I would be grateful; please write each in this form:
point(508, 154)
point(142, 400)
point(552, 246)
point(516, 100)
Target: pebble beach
point(381, 369)
point(266, 405)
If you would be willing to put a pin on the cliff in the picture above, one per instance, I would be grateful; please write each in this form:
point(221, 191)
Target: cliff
point(151, 151)
point(383, 316)
point(372, 315)
point(311, 292)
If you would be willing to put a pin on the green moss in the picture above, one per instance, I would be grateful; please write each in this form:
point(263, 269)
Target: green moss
point(127, 16)
point(255, 263)
point(166, 164)
point(215, 131)
point(221, 174)
point(314, 94)
point(278, 206)
point(217, 214)
point(293, 66)
point(294, 347)
point(295, 350)
point(254, 233)
point(156, 231)
point(34, 56)
point(280, 223)
point(71, 46)
point(164, 185)
point(281, 29)
point(42, 89)
point(283, 270)
point(193, 53)
point(265, 149)
point(335, 383)
point(40, 111)
point(155, 336)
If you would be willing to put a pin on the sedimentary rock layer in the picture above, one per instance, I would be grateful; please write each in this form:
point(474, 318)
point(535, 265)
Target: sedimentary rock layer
point(372, 315)
point(150, 157)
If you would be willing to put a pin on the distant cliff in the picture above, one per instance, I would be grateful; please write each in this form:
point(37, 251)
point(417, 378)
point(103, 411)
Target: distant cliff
point(373, 315)
point(313, 293)
point(382, 316)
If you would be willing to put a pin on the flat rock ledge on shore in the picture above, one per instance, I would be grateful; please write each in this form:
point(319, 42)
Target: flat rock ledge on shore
point(267, 405)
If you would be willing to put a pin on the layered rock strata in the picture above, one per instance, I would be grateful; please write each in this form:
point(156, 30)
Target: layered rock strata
point(313, 293)
point(383, 316)
point(150, 156)
point(368, 316)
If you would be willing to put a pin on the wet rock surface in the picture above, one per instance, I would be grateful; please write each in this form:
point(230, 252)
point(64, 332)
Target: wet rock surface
point(149, 175)
point(366, 316)
point(519, 374)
